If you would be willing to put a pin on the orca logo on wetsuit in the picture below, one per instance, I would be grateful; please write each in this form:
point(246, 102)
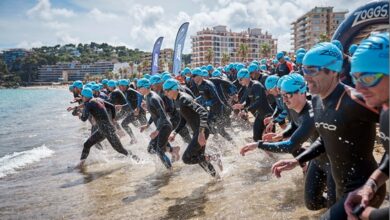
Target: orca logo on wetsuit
point(326, 126)
point(383, 136)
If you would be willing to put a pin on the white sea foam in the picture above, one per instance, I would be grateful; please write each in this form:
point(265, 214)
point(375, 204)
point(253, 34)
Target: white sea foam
point(11, 163)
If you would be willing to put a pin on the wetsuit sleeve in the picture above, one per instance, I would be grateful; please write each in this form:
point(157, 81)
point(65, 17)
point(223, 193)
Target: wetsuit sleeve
point(289, 130)
point(384, 164)
point(315, 149)
point(281, 116)
point(139, 101)
point(111, 108)
point(258, 93)
point(181, 125)
point(162, 119)
point(202, 112)
point(382, 213)
point(85, 114)
point(300, 135)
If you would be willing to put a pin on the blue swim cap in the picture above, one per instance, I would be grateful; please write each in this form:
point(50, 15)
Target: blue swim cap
point(300, 50)
point(299, 58)
point(186, 71)
point(271, 82)
point(263, 61)
point(243, 73)
point(88, 85)
point(78, 84)
point(372, 55)
point(87, 93)
point(352, 49)
point(95, 87)
point(205, 73)
point(171, 84)
point(256, 62)
point(239, 66)
point(71, 87)
point(280, 81)
point(111, 83)
point(263, 67)
point(279, 55)
point(143, 83)
point(216, 73)
point(199, 72)
point(294, 82)
point(203, 68)
point(100, 85)
point(230, 66)
point(123, 82)
point(287, 58)
point(155, 79)
point(188, 79)
point(104, 81)
point(253, 67)
point(275, 61)
point(166, 77)
point(325, 55)
point(338, 44)
point(209, 67)
point(147, 76)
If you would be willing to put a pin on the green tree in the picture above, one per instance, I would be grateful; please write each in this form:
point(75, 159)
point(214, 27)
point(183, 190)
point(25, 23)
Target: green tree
point(265, 50)
point(209, 56)
point(225, 59)
point(324, 37)
point(243, 51)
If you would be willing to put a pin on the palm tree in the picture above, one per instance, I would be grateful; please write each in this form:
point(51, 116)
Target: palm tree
point(131, 65)
point(209, 55)
point(265, 50)
point(323, 38)
point(243, 51)
point(225, 59)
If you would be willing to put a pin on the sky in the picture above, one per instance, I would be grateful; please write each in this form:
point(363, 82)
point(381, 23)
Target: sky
point(137, 24)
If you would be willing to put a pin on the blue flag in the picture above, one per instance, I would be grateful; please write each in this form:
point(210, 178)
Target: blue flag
point(156, 54)
point(179, 45)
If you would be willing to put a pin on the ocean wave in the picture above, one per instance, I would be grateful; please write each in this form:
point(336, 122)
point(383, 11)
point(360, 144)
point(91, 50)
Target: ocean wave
point(10, 163)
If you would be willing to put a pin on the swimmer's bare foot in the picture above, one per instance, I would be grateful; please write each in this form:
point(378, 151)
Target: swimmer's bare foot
point(175, 153)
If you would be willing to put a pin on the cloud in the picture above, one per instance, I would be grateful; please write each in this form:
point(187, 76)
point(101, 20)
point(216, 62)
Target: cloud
point(101, 16)
point(147, 15)
point(65, 38)
point(44, 11)
point(29, 45)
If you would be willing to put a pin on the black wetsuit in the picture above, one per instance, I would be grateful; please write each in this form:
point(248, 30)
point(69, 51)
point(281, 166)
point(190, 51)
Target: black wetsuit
point(318, 176)
point(157, 112)
point(218, 113)
point(281, 111)
point(196, 117)
point(345, 75)
point(184, 88)
point(98, 109)
point(383, 213)
point(174, 117)
point(117, 97)
point(283, 69)
point(256, 102)
point(225, 89)
point(347, 134)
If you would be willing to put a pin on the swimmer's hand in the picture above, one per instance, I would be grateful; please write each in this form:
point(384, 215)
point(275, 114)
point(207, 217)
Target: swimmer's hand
point(248, 147)
point(80, 165)
point(238, 106)
point(283, 165)
point(272, 137)
point(202, 139)
point(154, 134)
point(267, 120)
point(172, 137)
point(269, 127)
point(70, 109)
point(136, 112)
point(143, 127)
point(360, 196)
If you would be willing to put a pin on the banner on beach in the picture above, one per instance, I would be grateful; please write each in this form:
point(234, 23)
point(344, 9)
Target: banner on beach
point(362, 21)
point(156, 54)
point(179, 45)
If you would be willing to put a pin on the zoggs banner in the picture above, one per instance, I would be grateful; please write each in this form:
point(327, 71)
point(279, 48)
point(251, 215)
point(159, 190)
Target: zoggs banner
point(373, 13)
